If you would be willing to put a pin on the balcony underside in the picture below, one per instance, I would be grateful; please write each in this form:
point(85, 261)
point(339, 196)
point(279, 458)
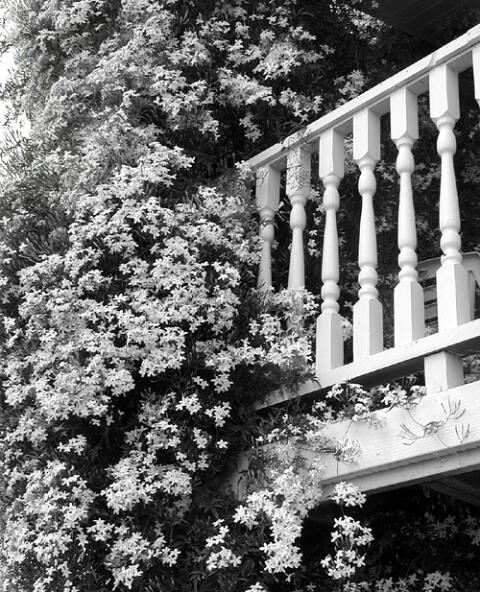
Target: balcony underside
point(422, 18)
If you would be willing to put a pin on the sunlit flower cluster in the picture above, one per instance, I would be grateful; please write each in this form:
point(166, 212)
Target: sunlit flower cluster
point(347, 494)
point(220, 556)
point(284, 502)
point(348, 536)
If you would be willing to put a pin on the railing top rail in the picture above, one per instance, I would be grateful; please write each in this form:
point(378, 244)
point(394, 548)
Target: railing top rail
point(456, 53)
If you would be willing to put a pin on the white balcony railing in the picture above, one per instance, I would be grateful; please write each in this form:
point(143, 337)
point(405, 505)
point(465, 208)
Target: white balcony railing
point(384, 460)
point(439, 355)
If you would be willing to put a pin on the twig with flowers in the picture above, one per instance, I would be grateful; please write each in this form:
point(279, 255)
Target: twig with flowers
point(348, 536)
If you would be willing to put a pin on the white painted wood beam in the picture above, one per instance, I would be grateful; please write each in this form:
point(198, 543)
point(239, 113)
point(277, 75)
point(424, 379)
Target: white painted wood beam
point(388, 458)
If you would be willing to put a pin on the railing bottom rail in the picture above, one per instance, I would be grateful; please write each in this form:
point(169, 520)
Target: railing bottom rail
point(391, 364)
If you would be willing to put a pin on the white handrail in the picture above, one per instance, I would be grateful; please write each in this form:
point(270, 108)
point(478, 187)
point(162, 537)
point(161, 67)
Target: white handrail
point(457, 54)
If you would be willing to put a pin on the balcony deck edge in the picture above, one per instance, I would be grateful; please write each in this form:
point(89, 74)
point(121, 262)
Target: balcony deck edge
point(387, 365)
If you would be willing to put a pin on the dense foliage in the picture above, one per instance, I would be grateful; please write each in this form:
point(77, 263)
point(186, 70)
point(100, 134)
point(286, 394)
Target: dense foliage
point(133, 341)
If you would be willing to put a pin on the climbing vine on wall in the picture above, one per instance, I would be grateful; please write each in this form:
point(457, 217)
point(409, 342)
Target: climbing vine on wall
point(134, 343)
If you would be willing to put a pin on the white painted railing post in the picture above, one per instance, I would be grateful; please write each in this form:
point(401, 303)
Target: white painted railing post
point(409, 316)
point(267, 192)
point(476, 71)
point(329, 352)
point(452, 277)
point(298, 190)
point(367, 312)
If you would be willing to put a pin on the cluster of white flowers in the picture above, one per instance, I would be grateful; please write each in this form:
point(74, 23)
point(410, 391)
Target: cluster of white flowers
point(257, 587)
point(191, 403)
point(129, 552)
point(139, 477)
point(57, 502)
point(396, 396)
point(348, 536)
point(437, 581)
point(408, 584)
point(220, 556)
point(219, 413)
point(357, 403)
point(347, 494)
point(285, 503)
point(427, 582)
point(472, 529)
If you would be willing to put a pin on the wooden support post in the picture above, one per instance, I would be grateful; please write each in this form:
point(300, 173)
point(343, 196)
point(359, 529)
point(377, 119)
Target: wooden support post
point(267, 191)
point(298, 190)
point(367, 312)
point(329, 352)
point(476, 71)
point(409, 317)
point(452, 277)
point(443, 371)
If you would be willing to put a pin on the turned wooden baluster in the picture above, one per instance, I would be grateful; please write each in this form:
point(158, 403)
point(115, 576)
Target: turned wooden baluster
point(298, 189)
point(329, 324)
point(409, 316)
point(452, 277)
point(267, 191)
point(367, 312)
